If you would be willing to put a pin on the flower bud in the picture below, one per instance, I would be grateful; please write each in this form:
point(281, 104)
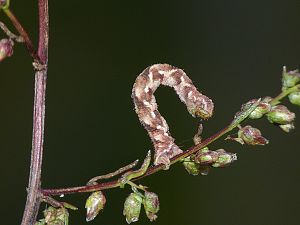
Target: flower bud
point(224, 158)
point(281, 115)
point(6, 48)
point(290, 79)
point(263, 108)
point(62, 217)
point(132, 207)
point(287, 127)
point(4, 4)
point(206, 157)
point(295, 98)
point(151, 205)
point(56, 216)
point(251, 136)
point(191, 167)
point(94, 204)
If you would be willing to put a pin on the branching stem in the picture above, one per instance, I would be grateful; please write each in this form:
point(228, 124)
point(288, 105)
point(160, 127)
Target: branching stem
point(34, 183)
point(151, 170)
point(154, 169)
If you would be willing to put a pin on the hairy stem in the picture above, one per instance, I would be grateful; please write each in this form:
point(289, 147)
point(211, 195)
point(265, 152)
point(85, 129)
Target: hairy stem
point(34, 184)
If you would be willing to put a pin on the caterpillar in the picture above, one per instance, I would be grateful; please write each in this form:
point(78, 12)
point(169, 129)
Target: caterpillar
point(198, 105)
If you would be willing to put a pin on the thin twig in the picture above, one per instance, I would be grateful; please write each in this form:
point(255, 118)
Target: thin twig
point(34, 184)
point(23, 33)
point(120, 182)
point(10, 34)
point(151, 170)
point(113, 174)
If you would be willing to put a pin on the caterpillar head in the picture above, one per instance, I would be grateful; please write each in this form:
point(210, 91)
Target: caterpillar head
point(202, 106)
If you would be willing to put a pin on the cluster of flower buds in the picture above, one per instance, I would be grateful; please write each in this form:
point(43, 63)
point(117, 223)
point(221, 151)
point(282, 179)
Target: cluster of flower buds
point(133, 205)
point(4, 4)
point(6, 48)
point(218, 158)
point(94, 204)
point(249, 135)
point(54, 216)
point(205, 159)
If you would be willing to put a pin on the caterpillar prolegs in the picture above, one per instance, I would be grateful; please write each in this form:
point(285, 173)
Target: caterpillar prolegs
point(143, 90)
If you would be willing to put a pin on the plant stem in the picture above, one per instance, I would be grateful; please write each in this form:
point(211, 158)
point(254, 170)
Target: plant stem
point(154, 169)
point(34, 183)
point(240, 117)
point(150, 171)
point(22, 32)
point(284, 93)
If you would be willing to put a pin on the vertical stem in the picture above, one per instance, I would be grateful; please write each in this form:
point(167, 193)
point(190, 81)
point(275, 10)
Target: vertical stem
point(34, 184)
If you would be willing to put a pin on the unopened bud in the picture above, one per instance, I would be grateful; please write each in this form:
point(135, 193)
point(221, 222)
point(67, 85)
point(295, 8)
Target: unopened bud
point(132, 207)
point(251, 136)
point(94, 204)
point(287, 127)
point(191, 167)
point(263, 108)
point(6, 48)
point(151, 205)
point(206, 157)
point(281, 115)
point(224, 158)
point(4, 4)
point(56, 216)
point(290, 79)
point(295, 98)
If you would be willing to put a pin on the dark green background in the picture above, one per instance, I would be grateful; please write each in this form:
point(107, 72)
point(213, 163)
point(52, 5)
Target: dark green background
point(232, 50)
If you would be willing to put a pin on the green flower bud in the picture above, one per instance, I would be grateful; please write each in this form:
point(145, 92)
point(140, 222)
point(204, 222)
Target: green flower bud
point(4, 4)
point(287, 127)
point(281, 115)
point(290, 79)
point(132, 207)
point(206, 157)
point(151, 205)
point(251, 136)
point(224, 159)
point(263, 108)
point(191, 167)
point(94, 204)
point(56, 216)
point(295, 98)
point(6, 48)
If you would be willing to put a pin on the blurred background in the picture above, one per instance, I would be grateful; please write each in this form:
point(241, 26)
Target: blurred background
point(232, 50)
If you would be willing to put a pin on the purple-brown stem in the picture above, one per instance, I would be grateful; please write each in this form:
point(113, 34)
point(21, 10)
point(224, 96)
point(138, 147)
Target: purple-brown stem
point(23, 33)
point(150, 171)
point(34, 184)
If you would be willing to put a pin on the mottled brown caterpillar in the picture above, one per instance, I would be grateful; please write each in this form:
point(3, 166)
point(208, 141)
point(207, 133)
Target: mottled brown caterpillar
point(143, 90)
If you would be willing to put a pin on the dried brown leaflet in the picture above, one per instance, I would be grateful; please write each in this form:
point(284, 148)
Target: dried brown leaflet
point(146, 107)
